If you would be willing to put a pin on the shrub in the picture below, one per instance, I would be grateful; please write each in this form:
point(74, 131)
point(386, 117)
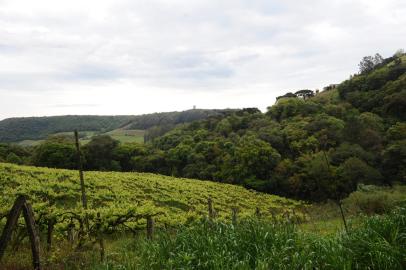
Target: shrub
point(371, 200)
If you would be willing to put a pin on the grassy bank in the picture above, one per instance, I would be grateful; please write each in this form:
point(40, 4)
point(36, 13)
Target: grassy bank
point(377, 242)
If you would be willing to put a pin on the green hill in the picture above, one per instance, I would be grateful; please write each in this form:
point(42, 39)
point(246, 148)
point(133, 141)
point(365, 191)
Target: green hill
point(309, 146)
point(34, 128)
point(147, 121)
point(29, 129)
point(56, 193)
point(301, 147)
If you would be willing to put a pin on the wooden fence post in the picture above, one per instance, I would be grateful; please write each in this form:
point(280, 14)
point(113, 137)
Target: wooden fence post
point(80, 167)
point(258, 212)
point(210, 208)
point(99, 236)
point(342, 215)
point(150, 227)
point(50, 229)
point(21, 205)
point(234, 215)
point(71, 233)
point(82, 181)
point(81, 233)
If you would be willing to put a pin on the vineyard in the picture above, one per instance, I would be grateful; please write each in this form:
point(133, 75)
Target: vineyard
point(124, 201)
point(199, 225)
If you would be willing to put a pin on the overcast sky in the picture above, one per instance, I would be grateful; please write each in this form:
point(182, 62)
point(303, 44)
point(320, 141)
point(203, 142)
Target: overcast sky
point(131, 56)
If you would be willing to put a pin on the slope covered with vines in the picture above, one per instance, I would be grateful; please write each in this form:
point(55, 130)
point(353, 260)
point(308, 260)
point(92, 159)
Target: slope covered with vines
point(121, 201)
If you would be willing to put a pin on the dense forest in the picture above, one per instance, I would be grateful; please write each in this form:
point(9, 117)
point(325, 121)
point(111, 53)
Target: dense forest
point(34, 128)
point(311, 146)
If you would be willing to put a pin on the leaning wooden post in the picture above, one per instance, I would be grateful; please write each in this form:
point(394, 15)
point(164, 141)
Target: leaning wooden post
point(210, 208)
point(32, 233)
point(342, 215)
point(150, 227)
point(12, 218)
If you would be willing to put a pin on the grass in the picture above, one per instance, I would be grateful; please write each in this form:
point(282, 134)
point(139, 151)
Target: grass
point(30, 142)
point(378, 242)
point(325, 218)
point(122, 135)
point(127, 136)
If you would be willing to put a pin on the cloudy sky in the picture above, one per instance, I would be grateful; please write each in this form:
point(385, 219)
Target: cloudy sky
point(136, 56)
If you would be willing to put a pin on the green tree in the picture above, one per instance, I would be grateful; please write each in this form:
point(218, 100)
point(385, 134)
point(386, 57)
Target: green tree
point(13, 158)
point(366, 65)
point(55, 152)
point(99, 153)
point(394, 162)
point(125, 153)
point(396, 132)
point(355, 171)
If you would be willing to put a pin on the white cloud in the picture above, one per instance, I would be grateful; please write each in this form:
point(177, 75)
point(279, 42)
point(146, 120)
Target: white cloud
point(130, 57)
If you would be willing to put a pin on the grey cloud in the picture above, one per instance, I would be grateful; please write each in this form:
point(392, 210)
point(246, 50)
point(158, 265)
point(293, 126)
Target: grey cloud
point(8, 49)
point(74, 105)
point(193, 46)
point(92, 72)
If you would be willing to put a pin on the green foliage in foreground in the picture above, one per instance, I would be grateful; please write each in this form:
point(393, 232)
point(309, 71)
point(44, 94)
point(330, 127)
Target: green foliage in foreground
point(378, 243)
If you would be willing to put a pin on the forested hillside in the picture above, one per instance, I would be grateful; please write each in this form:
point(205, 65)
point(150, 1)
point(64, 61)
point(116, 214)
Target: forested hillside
point(146, 121)
point(312, 146)
point(34, 128)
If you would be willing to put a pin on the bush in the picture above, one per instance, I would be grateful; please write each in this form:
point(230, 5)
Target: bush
point(371, 200)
